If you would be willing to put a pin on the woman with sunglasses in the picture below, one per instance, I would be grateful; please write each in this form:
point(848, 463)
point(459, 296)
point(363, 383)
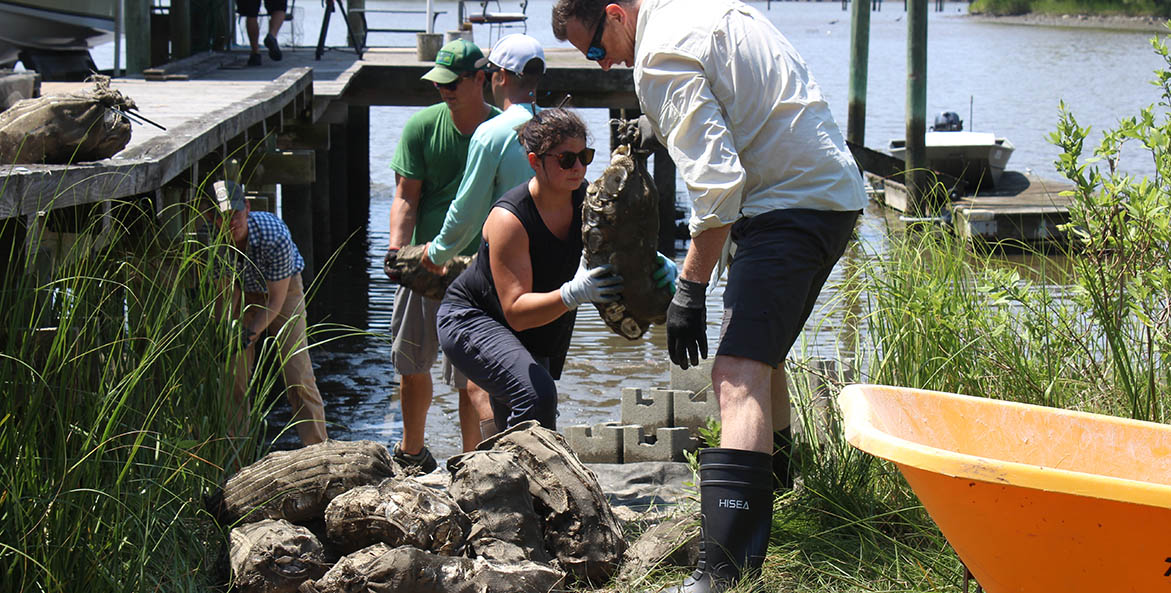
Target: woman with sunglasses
point(506, 321)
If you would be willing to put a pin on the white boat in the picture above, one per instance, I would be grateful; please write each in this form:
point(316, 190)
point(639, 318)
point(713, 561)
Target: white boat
point(53, 25)
point(976, 157)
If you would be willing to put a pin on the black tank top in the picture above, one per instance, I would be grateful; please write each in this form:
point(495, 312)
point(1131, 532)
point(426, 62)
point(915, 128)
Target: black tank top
point(553, 263)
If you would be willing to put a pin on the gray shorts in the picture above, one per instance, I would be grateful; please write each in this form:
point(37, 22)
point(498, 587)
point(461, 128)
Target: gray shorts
point(782, 260)
point(416, 341)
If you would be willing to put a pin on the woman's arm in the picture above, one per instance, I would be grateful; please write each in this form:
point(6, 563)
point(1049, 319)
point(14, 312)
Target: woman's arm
point(512, 272)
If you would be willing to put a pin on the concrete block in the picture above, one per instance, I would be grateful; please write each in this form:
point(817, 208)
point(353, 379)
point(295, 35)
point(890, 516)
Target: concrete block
point(692, 410)
point(601, 443)
point(664, 444)
point(697, 379)
point(650, 408)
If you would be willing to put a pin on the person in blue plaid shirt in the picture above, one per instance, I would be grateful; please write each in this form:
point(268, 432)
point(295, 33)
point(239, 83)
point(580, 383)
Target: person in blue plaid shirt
point(274, 298)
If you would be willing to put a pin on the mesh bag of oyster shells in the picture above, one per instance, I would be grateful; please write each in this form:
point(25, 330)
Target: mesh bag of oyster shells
point(408, 267)
point(274, 556)
point(620, 227)
point(399, 512)
point(297, 485)
point(88, 125)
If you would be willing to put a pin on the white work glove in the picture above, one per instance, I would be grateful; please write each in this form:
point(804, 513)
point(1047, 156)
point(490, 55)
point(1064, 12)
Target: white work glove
point(597, 285)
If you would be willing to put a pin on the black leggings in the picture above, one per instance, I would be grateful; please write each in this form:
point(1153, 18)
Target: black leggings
point(491, 356)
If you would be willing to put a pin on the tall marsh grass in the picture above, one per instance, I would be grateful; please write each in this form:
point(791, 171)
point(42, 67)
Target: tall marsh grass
point(1087, 329)
point(115, 366)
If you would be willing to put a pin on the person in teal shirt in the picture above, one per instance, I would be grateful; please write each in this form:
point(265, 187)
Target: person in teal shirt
point(496, 160)
point(496, 163)
point(428, 166)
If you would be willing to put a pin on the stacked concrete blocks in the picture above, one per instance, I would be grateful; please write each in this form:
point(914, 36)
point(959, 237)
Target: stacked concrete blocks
point(657, 425)
point(601, 443)
point(664, 444)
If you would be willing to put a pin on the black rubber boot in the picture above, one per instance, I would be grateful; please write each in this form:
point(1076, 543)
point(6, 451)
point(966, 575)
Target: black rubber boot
point(782, 459)
point(736, 509)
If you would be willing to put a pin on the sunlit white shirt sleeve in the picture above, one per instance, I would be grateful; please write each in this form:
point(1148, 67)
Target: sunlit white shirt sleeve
point(679, 100)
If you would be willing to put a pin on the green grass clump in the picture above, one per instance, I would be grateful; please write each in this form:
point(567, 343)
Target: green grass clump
point(115, 365)
point(1061, 7)
point(1088, 328)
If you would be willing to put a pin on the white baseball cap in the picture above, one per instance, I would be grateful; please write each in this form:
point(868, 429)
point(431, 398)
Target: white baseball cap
point(512, 52)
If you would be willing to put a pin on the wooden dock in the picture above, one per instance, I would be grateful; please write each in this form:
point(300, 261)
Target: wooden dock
point(1022, 208)
point(301, 123)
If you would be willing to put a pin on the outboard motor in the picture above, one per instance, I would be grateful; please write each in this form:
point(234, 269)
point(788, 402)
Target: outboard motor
point(948, 121)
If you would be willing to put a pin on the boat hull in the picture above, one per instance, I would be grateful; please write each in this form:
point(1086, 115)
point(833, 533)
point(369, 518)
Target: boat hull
point(978, 158)
point(56, 26)
point(1033, 499)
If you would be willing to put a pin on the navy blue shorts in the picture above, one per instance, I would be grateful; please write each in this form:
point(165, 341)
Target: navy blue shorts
point(519, 384)
point(251, 8)
point(783, 258)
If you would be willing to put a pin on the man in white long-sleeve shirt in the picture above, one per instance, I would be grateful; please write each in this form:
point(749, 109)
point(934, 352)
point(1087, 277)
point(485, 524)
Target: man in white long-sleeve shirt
point(766, 167)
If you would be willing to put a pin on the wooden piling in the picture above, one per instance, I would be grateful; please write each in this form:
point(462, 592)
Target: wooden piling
point(297, 212)
point(358, 165)
point(859, 68)
point(339, 186)
point(180, 29)
point(916, 177)
point(664, 176)
point(137, 18)
point(322, 229)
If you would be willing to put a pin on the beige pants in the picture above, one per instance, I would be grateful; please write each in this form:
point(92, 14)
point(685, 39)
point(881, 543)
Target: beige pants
point(300, 384)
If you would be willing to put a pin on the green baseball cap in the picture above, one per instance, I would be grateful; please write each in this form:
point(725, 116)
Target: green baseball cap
point(455, 58)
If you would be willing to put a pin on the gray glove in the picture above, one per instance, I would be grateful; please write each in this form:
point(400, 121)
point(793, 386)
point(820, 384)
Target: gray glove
point(646, 134)
point(598, 285)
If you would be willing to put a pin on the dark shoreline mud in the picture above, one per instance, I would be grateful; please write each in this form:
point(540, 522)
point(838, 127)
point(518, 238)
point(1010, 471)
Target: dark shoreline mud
point(1150, 24)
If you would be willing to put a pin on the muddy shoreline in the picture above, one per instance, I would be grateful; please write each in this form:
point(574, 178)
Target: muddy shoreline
point(1114, 22)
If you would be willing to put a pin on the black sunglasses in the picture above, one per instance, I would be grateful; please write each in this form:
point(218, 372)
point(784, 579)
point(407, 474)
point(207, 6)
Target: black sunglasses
point(565, 160)
point(596, 52)
point(451, 86)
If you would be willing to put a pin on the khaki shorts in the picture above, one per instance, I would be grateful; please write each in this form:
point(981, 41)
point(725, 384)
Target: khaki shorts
point(416, 340)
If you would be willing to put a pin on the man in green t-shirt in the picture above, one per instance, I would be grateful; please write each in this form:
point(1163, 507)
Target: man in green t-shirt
point(428, 166)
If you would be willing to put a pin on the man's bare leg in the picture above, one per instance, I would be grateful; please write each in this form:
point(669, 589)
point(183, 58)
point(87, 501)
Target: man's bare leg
point(782, 409)
point(252, 26)
point(744, 390)
point(275, 20)
point(415, 397)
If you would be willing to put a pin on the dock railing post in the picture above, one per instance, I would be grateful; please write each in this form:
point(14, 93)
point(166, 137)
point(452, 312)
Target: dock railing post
point(916, 178)
point(859, 70)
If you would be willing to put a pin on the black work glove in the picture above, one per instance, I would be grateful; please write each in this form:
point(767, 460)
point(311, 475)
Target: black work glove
point(388, 264)
point(687, 324)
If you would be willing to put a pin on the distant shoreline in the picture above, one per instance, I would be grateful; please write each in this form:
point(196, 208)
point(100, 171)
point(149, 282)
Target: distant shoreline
point(1123, 23)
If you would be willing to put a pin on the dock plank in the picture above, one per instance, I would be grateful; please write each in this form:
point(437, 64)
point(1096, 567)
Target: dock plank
point(204, 108)
point(203, 116)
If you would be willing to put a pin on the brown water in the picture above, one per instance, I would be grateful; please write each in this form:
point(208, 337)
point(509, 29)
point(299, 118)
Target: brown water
point(1012, 76)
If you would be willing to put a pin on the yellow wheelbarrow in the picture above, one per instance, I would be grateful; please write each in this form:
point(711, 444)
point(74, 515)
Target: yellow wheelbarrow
point(1032, 499)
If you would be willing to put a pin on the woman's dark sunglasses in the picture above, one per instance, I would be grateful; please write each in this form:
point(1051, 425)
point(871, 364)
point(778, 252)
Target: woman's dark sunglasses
point(565, 160)
point(451, 86)
point(595, 51)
